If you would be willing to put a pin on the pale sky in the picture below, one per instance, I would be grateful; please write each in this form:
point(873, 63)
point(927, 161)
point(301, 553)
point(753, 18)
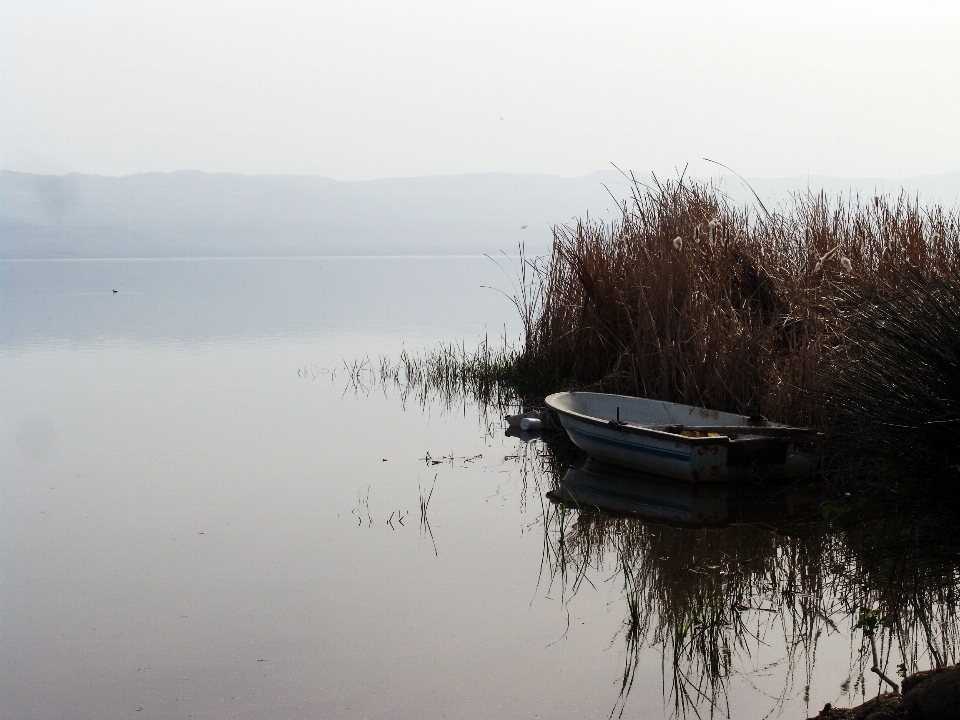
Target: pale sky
point(362, 90)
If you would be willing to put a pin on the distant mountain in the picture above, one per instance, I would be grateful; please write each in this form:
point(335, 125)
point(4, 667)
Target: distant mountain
point(196, 214)
point(189, 213)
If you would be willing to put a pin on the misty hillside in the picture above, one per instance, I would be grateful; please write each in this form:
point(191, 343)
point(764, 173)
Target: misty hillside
point(199, 214)
point(196, 214)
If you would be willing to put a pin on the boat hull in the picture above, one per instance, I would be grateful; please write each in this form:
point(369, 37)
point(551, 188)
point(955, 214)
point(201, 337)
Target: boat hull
point(695, 459)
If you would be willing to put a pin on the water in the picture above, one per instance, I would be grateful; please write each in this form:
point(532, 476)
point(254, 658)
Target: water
point(202, 517)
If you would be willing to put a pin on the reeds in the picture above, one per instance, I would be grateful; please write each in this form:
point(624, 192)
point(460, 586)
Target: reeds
point(688, 298)
point(895, 393)
point(489, 375)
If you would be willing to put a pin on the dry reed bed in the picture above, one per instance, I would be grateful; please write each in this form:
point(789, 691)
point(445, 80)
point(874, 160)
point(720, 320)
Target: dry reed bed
point(691, 299)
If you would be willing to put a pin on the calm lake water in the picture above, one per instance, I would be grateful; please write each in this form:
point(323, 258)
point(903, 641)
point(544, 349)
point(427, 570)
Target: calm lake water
point(201, 516)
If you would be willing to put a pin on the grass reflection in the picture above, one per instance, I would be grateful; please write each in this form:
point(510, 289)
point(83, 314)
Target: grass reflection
point(711, 595)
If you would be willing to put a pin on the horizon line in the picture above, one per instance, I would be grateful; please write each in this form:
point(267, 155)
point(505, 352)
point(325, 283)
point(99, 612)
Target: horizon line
point(473, 256)
point(807, 176)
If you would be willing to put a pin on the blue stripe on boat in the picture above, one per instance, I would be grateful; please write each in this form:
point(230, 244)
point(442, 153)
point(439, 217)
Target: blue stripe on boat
point(661, 452)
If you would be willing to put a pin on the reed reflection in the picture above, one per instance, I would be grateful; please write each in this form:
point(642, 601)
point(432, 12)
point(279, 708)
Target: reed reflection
point(711, 573)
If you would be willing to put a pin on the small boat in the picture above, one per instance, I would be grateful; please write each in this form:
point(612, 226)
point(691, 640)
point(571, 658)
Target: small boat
point(685, 442)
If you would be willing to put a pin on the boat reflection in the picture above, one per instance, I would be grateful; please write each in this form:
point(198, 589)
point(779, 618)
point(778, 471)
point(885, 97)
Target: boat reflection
point(612, 491)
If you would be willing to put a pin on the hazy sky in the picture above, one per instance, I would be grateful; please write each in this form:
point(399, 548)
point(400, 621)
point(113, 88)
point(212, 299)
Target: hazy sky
point(357, 90)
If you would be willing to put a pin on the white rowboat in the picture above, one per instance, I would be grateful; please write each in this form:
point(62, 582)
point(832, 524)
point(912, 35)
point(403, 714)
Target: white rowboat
point(685, 442)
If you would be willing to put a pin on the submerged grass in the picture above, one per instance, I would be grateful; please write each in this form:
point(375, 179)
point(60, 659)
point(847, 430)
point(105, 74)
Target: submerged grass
point(488, 374)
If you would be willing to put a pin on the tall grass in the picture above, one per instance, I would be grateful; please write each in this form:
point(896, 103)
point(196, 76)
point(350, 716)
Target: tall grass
point(897, 390)
point(689, 298)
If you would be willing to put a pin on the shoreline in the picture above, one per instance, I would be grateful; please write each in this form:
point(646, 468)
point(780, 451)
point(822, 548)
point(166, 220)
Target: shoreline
point(926, 695)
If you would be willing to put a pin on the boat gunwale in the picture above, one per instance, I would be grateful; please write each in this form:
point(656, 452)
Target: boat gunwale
point(635, 429)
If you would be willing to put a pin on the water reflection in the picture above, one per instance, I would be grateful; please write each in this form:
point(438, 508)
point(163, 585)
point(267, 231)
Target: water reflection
point(179, 474)
point(715, 576)
point(619, 493)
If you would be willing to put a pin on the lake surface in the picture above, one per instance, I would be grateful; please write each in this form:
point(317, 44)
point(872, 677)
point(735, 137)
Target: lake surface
point(201, 516)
